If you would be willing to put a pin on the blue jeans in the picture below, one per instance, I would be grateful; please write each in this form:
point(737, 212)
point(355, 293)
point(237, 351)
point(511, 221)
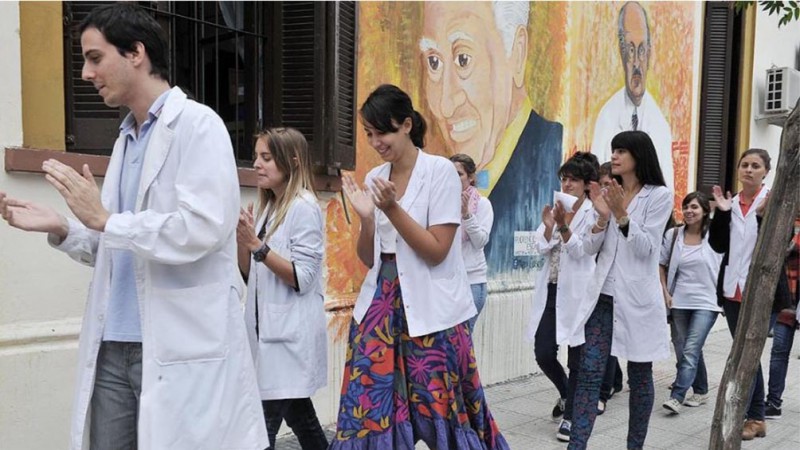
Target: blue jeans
point(690, 328)
point(782, 340)
point(479, 293)
point(756, 406)
point(594, 358)
point(115, 399)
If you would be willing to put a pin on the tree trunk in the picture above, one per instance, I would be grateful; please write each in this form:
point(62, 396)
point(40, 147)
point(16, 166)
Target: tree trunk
point(768, 259)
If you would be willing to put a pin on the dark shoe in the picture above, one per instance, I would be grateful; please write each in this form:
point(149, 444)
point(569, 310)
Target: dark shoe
point(558, 410)
point(564, 430)
point(601, 407)
point(772, 412)
point(753, 429)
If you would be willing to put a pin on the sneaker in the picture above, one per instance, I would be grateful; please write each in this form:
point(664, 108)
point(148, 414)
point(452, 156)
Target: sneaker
point(695, 400)
point(772, 412)
point(558, 410)
point(563, 430)
point(601, 407)
point(673, 405)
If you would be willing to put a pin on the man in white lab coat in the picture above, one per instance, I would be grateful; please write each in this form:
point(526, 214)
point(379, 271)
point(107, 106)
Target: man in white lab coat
point(163, 356)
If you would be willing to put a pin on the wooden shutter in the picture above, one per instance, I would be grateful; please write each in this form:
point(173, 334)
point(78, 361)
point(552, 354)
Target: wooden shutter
point(718, 97)
point(341, 87)
point(312, 81)
point(92, 127)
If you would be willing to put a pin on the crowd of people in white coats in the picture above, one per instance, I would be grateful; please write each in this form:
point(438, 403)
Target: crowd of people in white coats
point(169, 358)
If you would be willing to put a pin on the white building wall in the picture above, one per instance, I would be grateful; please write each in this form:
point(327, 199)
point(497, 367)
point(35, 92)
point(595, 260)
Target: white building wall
point(773, 47)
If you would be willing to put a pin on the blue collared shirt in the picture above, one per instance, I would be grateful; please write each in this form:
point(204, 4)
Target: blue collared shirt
point(123, 322)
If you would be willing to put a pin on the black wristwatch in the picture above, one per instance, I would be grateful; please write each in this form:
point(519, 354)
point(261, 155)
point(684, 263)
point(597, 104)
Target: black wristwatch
point(563, 229)
point(261, 253)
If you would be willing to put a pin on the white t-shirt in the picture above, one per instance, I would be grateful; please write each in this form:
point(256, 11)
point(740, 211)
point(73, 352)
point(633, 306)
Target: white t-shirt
point(694, 288)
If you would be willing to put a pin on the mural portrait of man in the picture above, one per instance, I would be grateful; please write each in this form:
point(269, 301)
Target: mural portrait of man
point(632, 107)
point(474, 56)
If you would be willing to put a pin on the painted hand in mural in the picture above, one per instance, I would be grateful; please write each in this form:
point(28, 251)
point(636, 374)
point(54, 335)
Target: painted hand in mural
point(28, 216)
point(80, 191)
point(245, 230)
point(723, 202)
point(598, 200)
point(360, 199)
point(384, 194)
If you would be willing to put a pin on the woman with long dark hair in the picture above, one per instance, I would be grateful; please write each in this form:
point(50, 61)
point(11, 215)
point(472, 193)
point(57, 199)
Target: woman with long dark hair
point(624, 302)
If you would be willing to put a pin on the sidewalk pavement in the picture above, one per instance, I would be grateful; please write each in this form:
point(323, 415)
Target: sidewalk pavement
point(522, 409)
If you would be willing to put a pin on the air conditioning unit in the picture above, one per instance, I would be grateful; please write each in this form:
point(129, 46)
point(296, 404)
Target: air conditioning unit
point(782, 90)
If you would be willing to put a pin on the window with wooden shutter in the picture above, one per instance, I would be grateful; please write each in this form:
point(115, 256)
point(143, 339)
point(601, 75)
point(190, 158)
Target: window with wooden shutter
point(312, 81)
point(92, 127)
point(721, 41)
point(256, 64)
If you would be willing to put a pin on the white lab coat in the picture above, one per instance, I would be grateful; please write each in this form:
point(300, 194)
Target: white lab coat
point(435, 297)
point(198, 381)
point(290, 350)
point(744, 233)
point(575, 270)
point(641, 333)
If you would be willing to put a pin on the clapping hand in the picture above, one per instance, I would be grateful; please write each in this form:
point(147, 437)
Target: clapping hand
point(80, 191)
point(464, 204)
point(245, 230)
point(598, 200)
point(723, 202)
point(614, 196)
point(360, 199)
point(762, 206)
point(29, 216)
point(547, 217)
point(384, 194)
point(560, 214)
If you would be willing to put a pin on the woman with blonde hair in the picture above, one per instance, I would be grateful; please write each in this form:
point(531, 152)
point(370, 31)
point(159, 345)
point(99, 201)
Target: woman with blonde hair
point(281, 251)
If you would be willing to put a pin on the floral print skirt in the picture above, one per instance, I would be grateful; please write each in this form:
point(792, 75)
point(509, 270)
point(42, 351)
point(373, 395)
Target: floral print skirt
point(398, 389)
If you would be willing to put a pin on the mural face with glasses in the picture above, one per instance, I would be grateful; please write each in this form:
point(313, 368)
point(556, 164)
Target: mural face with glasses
point(635, 49)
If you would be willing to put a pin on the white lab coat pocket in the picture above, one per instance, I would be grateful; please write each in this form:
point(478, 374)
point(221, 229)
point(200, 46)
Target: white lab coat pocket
point(190, 324)
point(642, 291)
point(279, 322)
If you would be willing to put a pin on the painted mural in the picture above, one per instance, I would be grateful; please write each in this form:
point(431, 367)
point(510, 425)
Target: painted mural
point(519, 87)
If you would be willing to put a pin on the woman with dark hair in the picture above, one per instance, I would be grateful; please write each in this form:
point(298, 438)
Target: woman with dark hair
point(477, 216)
point(623, 309)
point(689, 271)
point(558, 289)
point(410, 372)
point(734, 231)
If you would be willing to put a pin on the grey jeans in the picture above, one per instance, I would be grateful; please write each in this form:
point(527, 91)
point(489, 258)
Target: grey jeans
point(115, 400)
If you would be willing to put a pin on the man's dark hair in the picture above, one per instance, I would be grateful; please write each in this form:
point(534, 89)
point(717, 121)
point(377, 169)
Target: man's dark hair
point(123, 25)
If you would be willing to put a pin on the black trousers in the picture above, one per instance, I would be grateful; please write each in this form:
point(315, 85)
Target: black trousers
point(301, 417)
